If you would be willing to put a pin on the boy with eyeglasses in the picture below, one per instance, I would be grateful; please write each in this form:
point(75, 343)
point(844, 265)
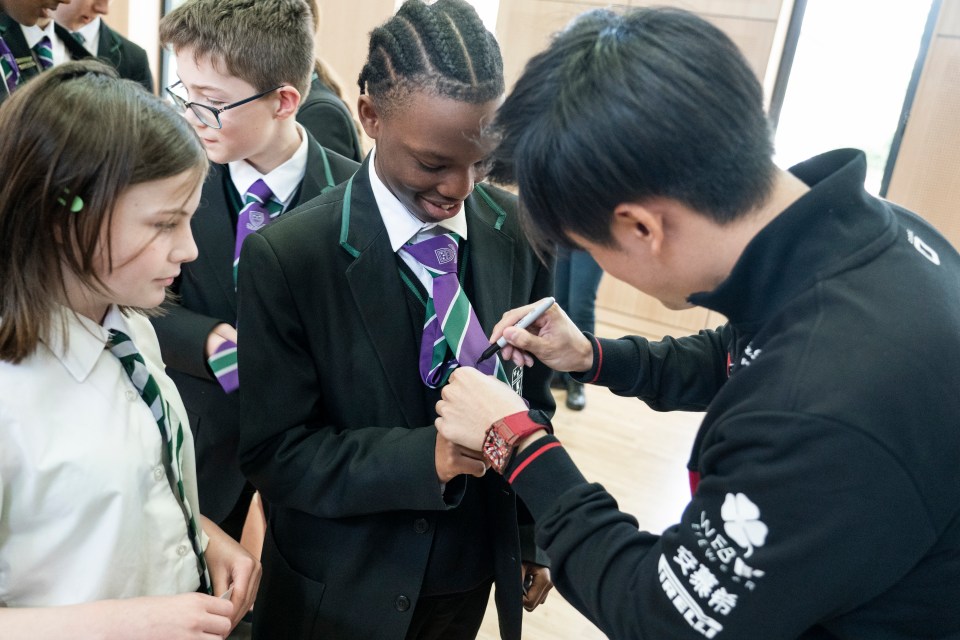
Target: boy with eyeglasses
point(243, 67)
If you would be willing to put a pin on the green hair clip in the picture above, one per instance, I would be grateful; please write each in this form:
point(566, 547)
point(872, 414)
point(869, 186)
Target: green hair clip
point(75, 205)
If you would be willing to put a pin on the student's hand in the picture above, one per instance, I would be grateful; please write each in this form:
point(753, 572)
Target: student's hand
point(231, 566)
point(187, 616)
point(552, 338)
point(537, 583)
point(218, 335)
point(471, 402)
point(453, 460)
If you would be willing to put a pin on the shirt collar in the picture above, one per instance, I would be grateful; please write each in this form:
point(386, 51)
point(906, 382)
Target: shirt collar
point(81, 341)
point(34, 34)
point(282, 181)
point(90, 31)
point(400, 223)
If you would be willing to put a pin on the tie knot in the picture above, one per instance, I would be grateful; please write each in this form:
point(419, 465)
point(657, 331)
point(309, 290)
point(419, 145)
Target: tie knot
point(121, 345)
point(79, 37)
point(258, 192)
point(44, 51)
point(437, 254)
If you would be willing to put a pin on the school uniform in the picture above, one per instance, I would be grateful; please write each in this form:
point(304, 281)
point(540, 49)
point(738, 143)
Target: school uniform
point(327, 117)
point(339, 437)
point(20, 40)
point(129, 59)
point(207, 297)
point(86, 509)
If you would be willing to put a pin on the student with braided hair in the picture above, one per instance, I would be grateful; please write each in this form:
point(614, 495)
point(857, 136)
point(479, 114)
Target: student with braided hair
point(378, 527)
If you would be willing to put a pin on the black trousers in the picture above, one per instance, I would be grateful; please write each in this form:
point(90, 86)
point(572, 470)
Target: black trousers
point(450, 617)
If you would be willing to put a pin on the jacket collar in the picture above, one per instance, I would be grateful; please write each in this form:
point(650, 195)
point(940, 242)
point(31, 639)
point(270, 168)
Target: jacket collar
point(832, 227)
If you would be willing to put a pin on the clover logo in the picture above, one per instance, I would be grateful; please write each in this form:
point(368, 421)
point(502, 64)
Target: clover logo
point(741, 521)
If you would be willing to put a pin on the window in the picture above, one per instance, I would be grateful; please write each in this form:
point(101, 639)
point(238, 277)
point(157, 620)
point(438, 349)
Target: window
point(850, 79)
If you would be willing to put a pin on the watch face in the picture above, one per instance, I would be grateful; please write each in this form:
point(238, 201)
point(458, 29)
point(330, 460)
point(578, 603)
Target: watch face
point(496, 450)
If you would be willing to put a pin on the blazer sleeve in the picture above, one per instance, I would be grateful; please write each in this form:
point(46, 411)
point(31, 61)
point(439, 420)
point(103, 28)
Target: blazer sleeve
point(287, 449)
point(183, 338)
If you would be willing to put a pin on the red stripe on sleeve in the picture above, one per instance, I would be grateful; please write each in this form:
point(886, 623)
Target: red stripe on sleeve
point(534, 456)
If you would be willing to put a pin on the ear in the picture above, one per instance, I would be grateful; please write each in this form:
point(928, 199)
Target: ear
point(635, 223)
point(369, 116)
point(289, 102)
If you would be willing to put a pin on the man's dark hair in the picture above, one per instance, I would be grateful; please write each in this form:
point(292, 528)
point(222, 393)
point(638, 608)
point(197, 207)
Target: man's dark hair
point(627, 107)
point(443, 48)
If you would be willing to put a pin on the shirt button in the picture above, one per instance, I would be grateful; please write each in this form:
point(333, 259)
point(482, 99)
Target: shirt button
point(420, 525)
point(131, 395)
point(158, 473)
point(402, 604)
point(182, 550)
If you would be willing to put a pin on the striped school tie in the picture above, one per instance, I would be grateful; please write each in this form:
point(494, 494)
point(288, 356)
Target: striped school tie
point(8, 66)
point(451, 326)
point(258, 211)
point(126, 352)
point(44, 51)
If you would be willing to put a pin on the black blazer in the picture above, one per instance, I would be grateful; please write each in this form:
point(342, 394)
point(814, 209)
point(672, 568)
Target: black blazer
point(27, 62)
point(339, 436)
point(129, 59)
point(207, 298)
point(327, 117)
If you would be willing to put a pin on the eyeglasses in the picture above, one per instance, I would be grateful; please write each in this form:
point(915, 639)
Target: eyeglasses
point(210, 116)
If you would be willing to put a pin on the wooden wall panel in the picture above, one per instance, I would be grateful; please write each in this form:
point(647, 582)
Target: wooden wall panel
point(343, 37)
point(926, 177)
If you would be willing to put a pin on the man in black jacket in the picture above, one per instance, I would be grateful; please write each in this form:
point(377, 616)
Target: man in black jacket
point(825, 497)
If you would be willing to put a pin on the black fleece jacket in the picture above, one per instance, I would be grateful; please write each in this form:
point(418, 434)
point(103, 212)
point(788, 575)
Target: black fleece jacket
point(827, 497)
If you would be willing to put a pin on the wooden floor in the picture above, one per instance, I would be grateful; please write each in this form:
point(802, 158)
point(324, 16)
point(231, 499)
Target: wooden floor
point(640, 457)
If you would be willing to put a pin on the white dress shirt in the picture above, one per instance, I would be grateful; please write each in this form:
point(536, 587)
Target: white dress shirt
point(91, 35)
point(282, 181)
point(402, 226)
point(86, 511)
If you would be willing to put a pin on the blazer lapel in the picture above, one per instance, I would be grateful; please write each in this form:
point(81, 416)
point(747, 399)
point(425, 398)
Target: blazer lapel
point(108, 47)
point(377, 289)
point(491, 262)
point(313, 180)
point(76, 50)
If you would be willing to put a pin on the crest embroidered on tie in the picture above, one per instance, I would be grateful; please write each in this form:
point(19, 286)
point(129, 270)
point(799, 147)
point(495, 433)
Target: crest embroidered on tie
point(452, 335)
point(259, 210)
point(446, 254)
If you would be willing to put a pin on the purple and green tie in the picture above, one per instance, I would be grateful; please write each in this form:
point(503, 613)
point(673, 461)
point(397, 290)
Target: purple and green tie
point(259, 210)
point(44, 51)
point(132, 362)
point(451, 326)
point(8, 65)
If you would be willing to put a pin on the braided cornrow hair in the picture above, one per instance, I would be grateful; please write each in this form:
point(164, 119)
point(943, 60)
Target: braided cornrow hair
point(443, 47)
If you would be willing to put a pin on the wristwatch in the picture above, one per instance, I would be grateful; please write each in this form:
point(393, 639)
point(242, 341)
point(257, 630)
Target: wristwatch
point(504, 434)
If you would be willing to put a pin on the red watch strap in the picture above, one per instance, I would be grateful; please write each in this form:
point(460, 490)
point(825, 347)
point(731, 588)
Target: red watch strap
point(520, 425)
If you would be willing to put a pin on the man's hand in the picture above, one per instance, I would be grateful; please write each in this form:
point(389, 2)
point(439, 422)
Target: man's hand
point(536, 583)
point(453, 460)
point(552, 338)
point(470, 403)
